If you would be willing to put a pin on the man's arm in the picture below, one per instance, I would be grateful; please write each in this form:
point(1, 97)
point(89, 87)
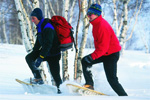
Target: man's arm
point(48, 37)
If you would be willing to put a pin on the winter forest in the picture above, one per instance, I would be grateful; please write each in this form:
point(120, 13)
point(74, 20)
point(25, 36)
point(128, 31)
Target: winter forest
point(129, 19)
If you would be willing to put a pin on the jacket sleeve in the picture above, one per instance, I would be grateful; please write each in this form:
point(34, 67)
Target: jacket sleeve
point(48, 37)
point(101, 42)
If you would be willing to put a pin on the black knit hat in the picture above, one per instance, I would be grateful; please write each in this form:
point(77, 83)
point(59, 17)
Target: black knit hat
point(37, 12)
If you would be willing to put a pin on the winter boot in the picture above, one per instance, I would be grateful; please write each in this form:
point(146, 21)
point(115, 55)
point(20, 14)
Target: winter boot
point(37, 81)
point(58, 91)
point(89, 86)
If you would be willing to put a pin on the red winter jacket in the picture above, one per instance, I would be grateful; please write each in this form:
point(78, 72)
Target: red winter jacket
point(105, 40)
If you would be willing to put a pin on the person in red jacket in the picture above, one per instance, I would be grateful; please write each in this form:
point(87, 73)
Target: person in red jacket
point(107, 49)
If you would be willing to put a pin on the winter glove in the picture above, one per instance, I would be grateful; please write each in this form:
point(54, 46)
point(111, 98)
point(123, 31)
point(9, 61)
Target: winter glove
point(38, 61)
point(88, 59)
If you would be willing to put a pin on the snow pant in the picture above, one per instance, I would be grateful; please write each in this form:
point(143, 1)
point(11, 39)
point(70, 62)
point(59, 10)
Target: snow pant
point(53, 62)
point(110, 68)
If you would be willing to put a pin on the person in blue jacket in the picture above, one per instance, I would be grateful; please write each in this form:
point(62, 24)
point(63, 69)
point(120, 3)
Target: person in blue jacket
point(46, 48)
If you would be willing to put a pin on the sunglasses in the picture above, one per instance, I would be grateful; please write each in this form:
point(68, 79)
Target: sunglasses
point(89, 14)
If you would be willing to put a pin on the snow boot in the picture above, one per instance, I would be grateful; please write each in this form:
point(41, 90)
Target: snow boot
point(58, 91)
point(89, 86)
point(37, 81)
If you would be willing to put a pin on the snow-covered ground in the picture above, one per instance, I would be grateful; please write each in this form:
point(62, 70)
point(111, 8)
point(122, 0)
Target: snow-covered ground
point(133, 73)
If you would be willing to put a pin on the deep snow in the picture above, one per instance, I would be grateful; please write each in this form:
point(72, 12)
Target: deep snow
point(133, 74)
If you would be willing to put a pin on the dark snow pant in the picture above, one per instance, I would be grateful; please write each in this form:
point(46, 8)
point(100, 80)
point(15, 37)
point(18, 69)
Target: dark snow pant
point(110, 67)
point(53, 66)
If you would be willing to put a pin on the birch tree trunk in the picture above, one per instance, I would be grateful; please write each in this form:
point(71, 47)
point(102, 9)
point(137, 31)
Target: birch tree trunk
point(145, 43)
point(35, 3)
point(45, 8)
point(136, 18)
point(71, 11)
point(115, 18)
point(124, 27)
point(84, 38)
point(65, 53)
point(28, 25)
point(22, 26)
point(76, 41)
point(123, 34)
point(51, 8)
point(4, 29)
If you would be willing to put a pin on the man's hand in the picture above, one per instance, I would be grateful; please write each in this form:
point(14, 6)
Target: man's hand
point(38, 61)
point(88, 59)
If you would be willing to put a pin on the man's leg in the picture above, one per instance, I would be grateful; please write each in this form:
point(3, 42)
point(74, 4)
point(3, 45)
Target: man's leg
point(30, 58)
point(110, 67)
point(87, 73)
point(55, 68)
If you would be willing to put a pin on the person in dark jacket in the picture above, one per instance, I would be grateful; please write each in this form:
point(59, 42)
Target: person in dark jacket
point(46, 48)
point(107, 49)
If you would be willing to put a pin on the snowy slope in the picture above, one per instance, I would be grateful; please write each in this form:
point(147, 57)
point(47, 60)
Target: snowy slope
point(133, 73)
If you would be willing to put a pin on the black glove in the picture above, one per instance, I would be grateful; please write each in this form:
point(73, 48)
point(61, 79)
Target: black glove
point(38, 61)
point(88, 59)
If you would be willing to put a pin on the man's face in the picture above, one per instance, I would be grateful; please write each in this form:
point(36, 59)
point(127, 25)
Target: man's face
point(35, 20)
point(92, 17)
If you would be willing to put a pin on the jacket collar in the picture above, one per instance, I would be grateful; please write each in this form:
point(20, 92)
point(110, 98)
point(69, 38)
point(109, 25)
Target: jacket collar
point(97, 20)
point(40, 23)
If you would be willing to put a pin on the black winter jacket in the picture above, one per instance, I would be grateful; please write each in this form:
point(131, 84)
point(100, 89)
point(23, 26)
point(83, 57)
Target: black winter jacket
point(47, 40)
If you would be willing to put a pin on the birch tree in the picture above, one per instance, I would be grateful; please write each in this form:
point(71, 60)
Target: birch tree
point(84, 38)
point(124, 27)
point(123, 35)
point(4, 29)
point(22, 26)
point(65, 53)
point(28, 25)
point(35, 3)
point(76, 41)
point(115, 18)
point(46, 11)
point(71, 11)
point(51, 8)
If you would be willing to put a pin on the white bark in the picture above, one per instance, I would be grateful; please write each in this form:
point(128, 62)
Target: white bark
point(28, 25)
point(71, 11)
point(65, 53)
point(22, 25)
point(51, 8)
point(115, 18)
point(65, 9)
point(84, 38)
point(76, 41)
point(124, 27)
point(136, 18)
point(123, 37)
point(4, 29)
point(45, 8)
point(145, 43)
point(29, 3)
point(35, 3)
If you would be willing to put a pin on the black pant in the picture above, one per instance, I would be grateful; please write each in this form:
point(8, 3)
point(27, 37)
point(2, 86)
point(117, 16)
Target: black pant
point(110, 67)
point(53, 64)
